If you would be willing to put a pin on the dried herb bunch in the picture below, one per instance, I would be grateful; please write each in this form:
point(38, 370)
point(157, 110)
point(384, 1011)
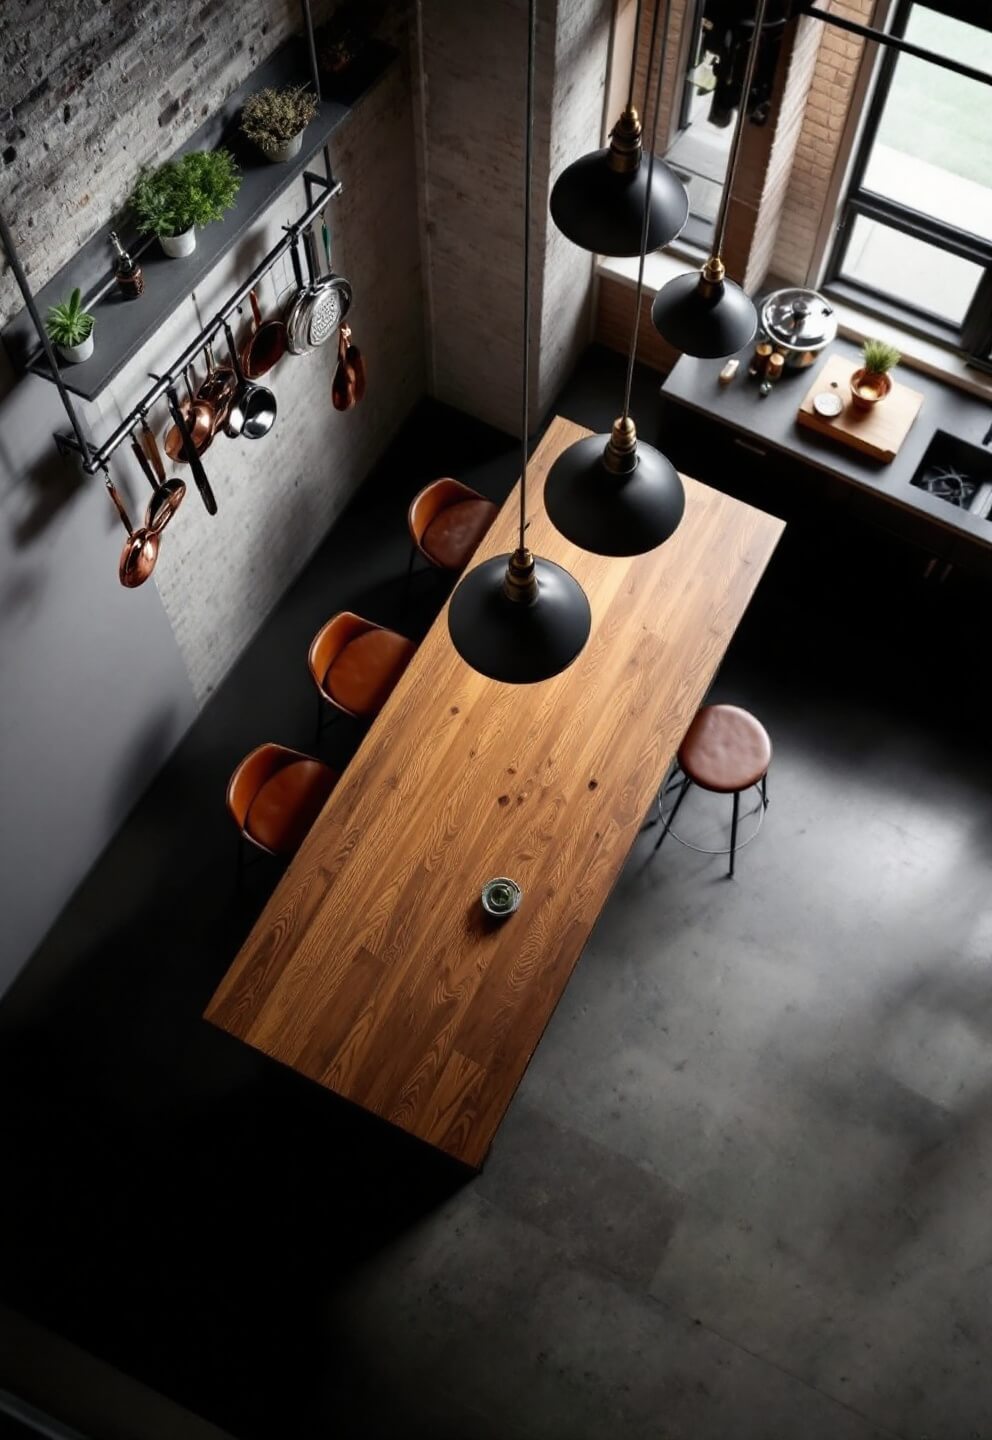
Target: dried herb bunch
point(273, 117)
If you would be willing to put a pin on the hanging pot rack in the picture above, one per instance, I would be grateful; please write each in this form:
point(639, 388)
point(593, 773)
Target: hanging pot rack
point(95, 457)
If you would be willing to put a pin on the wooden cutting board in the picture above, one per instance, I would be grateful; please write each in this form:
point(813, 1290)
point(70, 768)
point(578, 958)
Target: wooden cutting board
point(877, 432)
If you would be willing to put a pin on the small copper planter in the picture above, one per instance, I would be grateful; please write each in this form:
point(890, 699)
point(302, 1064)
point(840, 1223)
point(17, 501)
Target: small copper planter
point(868, 389)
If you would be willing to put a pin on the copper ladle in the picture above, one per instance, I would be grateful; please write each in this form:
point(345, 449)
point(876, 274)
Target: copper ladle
point(167, 496)
point(140, 550)
point(199, 417)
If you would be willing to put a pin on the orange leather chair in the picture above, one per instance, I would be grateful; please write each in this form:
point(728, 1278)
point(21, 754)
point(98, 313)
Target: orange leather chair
point(275, 795)
point(447, 523)
point(355, 665)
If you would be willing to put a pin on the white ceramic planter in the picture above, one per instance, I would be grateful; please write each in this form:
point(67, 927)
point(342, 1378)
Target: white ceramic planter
point(178, 245)
point(278, 153)
point(75, 353)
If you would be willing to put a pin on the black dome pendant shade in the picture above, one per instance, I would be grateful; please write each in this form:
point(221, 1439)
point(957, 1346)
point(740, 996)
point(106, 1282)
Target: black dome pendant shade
point(598, 201)
point(704, 316)
point(614, 495)
point(610, 494)
point(524, 637)
point(518, 618)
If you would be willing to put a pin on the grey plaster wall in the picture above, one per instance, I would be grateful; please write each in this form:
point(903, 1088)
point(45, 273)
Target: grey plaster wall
point(97, 684)
point(93, 690)
point(473, 62)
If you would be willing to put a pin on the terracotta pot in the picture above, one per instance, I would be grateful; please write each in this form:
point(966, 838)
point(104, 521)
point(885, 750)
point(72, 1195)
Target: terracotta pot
point(867, 389)
point(175, 246)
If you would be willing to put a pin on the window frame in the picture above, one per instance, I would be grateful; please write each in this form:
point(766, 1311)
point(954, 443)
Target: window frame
point(973, 337)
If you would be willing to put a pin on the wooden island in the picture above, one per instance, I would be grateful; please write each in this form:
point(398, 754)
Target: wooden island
point(372, 969)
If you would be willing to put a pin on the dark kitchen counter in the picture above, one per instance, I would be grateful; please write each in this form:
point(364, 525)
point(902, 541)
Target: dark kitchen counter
point(762, 425)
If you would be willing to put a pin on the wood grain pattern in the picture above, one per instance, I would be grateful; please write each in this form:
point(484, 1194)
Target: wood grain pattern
point(877, 432)
point(372, 969)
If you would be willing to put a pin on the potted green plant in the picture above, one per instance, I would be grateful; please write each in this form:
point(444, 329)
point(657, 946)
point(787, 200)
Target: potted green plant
point(870, 383)
point(275, 120)
point(194, 190)
point(70, 328)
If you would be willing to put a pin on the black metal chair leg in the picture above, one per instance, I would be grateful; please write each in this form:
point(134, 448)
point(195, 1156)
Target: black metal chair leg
point(733, 832)
point(320, 718)
point(674, 811)
point(240, 873)
point(764, 791)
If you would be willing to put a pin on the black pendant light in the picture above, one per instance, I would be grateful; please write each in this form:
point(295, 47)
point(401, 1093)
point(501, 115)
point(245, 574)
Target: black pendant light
point(706, 314)
point(516, 617)
point(598, 200)
point(613, 494)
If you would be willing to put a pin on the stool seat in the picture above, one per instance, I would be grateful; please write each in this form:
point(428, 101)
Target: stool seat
point(455, 533)
point(287, 804)
point(362, 676)
point(725, 749)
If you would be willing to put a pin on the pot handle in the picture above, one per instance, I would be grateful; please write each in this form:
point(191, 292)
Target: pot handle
point(119, 503)
point(189, 450)
point(255, 309)
point(297, 267)
point(235, 357)
point(142, 460)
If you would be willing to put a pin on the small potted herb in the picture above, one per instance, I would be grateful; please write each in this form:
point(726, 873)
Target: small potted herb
point(870, 383)
point(70, 328)
point(194, 190)
point(275, 120)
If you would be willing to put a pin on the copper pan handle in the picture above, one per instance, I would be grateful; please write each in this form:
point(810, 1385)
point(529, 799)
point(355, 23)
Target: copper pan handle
point(142, 460)
point(151, 449)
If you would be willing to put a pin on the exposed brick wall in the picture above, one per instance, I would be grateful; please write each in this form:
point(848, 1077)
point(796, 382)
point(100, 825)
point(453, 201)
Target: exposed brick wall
point(614, 314)
point(672, 64)
point(95, 89)
point(837, 60)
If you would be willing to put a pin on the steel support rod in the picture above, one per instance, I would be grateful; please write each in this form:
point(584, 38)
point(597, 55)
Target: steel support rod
point(312, 46)
point(95, 458)
point(25, 288)
point(895, 42)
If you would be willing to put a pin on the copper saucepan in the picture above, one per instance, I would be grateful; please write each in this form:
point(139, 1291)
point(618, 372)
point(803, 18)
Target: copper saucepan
point(265, 345)
point(199, 417)
point(140, 550)
point(218, 388)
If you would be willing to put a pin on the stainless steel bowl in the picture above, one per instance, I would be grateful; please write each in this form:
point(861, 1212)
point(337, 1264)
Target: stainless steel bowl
point(799, 323)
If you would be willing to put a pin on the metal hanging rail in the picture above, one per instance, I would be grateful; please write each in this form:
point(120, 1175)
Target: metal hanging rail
point(894, 42)
point(95, 457)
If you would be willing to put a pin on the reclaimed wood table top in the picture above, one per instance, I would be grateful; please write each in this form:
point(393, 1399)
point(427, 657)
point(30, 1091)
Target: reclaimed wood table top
point(372, 969)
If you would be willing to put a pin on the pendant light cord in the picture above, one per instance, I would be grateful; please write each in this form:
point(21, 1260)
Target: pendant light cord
point(528, 166)
point(735, 146)
point(646, 216)
point(633, 56)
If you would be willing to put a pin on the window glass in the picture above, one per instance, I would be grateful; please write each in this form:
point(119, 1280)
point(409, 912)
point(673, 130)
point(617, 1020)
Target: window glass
point(933, 148)
point(911, 271)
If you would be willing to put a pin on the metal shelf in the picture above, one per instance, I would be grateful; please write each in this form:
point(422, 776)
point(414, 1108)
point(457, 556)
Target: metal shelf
point(124, 326)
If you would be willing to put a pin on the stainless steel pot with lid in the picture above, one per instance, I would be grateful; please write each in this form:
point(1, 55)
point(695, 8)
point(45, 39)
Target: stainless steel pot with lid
point(799, 323)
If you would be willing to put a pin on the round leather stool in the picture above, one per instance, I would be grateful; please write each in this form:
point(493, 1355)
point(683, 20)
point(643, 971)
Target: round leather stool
point(728, 751)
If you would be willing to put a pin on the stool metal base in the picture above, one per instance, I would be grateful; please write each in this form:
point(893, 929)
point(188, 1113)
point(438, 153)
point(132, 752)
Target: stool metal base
point(683, 788)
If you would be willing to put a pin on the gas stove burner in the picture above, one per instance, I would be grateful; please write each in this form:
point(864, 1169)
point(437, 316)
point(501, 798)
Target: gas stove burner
point(948, 484)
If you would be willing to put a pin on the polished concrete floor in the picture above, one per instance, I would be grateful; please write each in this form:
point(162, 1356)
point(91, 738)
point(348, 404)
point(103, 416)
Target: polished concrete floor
point(743, 1190)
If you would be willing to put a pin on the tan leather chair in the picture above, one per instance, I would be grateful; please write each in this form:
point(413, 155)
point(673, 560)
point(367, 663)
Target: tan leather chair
point(448, 521)
point(275, 795)
point(355, 665)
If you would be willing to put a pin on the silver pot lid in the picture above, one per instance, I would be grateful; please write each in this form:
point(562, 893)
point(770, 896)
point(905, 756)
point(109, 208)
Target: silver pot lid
point(798, 319)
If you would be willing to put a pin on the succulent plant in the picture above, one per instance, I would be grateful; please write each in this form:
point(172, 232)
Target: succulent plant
point(272, 117)
point(68, 323)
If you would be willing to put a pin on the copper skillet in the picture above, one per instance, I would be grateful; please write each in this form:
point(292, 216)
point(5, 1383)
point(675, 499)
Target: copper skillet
point(266, 343)
point(199, 417)
point(166, 497)
point(140, 550)
point(218, 389)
